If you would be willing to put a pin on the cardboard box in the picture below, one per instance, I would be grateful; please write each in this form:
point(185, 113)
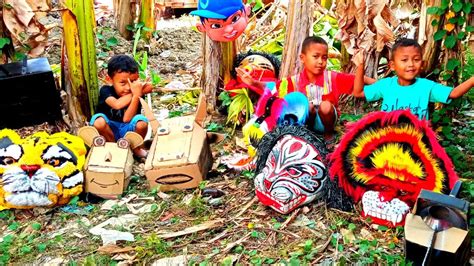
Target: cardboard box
point(451, 246)
point(108, 165)
point(180, 156)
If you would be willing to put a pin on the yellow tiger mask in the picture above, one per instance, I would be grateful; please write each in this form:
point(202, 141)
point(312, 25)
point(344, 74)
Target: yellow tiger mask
point(39, 170)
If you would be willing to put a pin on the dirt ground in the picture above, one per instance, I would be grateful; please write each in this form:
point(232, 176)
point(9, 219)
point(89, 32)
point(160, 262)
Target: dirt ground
point(221, 222)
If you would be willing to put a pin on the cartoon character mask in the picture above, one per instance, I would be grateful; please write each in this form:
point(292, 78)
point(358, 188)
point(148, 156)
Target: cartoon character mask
point(39, 170)
point(385, 159)
point(222, 21)
point(290, 168)
point(258, 67)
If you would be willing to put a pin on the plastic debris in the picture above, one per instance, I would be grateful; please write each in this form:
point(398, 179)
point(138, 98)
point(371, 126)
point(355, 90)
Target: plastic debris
point(112, 236)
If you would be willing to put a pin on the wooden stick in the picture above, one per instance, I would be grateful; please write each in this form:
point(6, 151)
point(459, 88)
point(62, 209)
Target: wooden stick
point(194, 229)
point(250, 203)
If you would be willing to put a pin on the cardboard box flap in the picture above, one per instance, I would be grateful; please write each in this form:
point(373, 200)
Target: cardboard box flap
point(201, 111)
point(418, 232)
point(109, 156)
point(180, 145)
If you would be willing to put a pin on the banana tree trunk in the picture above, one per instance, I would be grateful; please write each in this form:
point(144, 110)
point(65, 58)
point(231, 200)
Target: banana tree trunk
point(298, 26)
point(147, 16)
point(426, 32)
point(79, 67)
point(218, 59)
point(124, 15)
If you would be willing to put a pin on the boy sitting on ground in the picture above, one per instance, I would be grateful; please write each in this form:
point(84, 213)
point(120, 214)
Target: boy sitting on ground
point(405, 89)
point(322, 87)
point(119, 109)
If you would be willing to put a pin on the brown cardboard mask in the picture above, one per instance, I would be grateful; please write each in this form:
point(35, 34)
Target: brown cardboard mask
point(180, 155)
point(108, 165)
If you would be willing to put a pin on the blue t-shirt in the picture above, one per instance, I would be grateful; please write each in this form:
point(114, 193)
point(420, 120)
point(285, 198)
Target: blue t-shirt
point(415, 96)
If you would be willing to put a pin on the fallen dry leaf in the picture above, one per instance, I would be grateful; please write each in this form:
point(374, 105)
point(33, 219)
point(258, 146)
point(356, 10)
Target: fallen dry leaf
point(22, 11)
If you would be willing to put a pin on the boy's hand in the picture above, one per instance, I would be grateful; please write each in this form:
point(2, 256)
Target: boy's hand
point(359, 57)
point(244, 76)
point(136, 87)
point(147, 88)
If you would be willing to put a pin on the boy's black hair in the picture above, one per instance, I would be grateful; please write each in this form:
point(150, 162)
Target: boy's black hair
point(310, 40)
point(121, 63)
point(404, 42)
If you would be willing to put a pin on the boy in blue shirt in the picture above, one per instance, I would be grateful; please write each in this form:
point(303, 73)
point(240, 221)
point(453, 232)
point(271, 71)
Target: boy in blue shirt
point(406, 89)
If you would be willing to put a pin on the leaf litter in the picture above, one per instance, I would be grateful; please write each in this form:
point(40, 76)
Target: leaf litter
point(182, 227)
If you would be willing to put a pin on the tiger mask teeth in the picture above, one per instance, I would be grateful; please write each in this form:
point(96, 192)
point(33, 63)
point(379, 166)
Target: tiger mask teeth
point(392, 211)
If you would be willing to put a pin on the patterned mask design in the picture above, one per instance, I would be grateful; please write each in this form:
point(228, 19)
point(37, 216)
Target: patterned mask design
point(385, 159)
point(39, 170)
point(290, 168)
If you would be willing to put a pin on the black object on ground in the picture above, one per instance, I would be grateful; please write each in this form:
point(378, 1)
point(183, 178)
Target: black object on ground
point(29, 94)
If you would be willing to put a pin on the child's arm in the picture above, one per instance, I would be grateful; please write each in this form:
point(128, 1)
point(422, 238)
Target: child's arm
point(369, 80)
point(359, 82)
point(360, 78)
point(462, 89)
point(119, 103)
point(137, 92)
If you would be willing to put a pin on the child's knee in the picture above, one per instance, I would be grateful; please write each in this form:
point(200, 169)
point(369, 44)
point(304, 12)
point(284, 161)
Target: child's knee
point(326, 108)
point(100, 123)
point(141, 125)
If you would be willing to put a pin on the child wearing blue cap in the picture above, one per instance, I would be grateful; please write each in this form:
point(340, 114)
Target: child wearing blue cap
point(222, 21)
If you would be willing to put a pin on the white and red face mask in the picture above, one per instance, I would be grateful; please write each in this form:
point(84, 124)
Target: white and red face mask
point(291, 171)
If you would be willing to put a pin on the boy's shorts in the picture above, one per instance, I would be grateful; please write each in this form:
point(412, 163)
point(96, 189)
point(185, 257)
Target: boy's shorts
point(318, 124)
point(120, 128)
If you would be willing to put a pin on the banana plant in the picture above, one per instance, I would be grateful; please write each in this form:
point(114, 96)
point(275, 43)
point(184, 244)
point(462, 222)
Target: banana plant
point(79, 55)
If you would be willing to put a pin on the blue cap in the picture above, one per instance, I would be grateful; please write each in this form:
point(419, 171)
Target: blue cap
point(218, 9)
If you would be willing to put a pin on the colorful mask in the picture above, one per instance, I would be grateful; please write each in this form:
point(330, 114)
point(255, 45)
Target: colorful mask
point(264, 120)
point(222, 21)
point(261, 66)
point(385, 159)
point(40, 170)
point(290, 168)
point(295, 110)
